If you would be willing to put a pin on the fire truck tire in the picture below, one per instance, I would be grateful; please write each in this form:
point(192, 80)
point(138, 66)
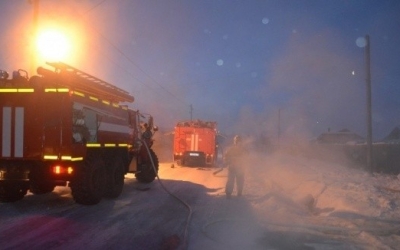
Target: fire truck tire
point(89, 185)
point(146, 172)
point(12, 193)
point(41, 188)
point(114, 179)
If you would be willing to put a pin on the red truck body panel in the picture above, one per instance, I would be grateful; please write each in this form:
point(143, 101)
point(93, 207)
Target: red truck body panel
point(41, 124)
point(58, 116)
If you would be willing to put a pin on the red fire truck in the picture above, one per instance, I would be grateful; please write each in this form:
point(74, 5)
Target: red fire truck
point(64, 127)
point(195, 143)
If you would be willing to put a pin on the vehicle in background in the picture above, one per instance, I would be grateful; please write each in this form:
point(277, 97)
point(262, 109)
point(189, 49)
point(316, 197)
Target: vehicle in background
point(195, 143)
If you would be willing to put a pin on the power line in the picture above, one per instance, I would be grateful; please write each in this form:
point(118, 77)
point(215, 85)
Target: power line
point(95, 6)
point(137, 66)
point(127, 58)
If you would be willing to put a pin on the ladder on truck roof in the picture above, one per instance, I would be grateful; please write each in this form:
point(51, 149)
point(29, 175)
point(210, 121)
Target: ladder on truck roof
point(81, 81)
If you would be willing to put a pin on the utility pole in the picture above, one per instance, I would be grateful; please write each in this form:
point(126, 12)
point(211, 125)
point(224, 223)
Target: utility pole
point(191, 111)
point(369, 105)
point(279, 126)
point(33, 59)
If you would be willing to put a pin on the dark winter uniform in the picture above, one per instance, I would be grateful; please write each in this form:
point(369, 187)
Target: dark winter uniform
point(147, 134)
point(233, 159)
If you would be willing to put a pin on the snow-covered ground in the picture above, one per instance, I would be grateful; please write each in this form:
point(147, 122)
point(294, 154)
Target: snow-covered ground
point(339, 203)
point(289, 202)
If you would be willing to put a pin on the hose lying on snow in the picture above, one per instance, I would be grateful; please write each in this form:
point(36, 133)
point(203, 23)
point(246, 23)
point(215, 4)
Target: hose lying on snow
point(172, 242)
point(219, 170)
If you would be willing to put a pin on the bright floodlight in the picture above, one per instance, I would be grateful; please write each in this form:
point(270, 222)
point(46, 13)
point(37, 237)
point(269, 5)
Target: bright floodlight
point(53, 45)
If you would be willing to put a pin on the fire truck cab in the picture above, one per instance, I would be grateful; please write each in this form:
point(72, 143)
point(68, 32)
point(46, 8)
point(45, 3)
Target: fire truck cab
point(66, 127)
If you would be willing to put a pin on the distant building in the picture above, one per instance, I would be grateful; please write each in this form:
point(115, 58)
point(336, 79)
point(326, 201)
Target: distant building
point(393, 137)
point(343, 136)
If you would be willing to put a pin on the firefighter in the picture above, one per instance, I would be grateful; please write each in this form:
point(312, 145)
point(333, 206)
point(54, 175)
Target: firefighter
point(147, 134)
point(234, 161)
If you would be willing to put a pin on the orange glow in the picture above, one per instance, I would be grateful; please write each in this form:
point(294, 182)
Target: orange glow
point(58, 42)
point(62, 170)
point(53, 45)
point(70, 170)
point(57, 169)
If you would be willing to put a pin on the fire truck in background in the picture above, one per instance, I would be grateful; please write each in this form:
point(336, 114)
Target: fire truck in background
point(195, 143)
point(64, 127)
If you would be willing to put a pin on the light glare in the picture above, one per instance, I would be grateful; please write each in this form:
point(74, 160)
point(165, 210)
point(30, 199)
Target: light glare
point(53, 45)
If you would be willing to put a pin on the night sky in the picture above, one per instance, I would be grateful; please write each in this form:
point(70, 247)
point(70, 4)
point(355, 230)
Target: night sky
point(240, 63)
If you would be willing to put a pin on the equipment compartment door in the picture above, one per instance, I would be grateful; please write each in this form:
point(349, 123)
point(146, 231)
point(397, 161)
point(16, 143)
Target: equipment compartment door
point(12, 132)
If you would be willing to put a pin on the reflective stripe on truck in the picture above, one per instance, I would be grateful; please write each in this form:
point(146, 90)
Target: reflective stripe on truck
point(194, 143)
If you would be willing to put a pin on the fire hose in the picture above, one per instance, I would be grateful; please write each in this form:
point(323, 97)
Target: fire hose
point(186, 230)
point(221, 168)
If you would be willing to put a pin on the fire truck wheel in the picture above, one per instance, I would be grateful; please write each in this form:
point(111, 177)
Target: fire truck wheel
point(89, 185)
point(146, 172)
point(12, 193)
point(114, 179)
point(41, 188)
